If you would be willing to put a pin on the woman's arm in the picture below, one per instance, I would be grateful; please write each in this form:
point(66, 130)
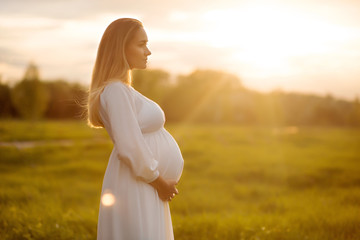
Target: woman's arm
point(126, 133)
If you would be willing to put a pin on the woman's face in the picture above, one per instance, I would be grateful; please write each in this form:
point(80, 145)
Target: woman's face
point(136, 51)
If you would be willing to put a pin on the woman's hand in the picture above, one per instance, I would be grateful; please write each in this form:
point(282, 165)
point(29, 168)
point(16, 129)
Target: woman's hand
point(166, 188)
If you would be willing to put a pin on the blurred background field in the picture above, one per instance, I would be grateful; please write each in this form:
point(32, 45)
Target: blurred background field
point(276, 165)
point(239, 182)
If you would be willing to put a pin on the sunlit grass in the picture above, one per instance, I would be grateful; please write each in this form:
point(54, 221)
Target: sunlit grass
point(238, 182)
point(251, 182)
point(18, 130)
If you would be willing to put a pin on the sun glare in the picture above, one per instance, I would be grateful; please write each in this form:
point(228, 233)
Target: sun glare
point(267, 36)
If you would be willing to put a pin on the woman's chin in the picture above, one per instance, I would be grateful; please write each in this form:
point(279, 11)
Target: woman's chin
point(140, 67)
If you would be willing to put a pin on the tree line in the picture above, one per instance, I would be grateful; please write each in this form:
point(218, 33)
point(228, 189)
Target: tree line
point(33, 99)
point(203, 96)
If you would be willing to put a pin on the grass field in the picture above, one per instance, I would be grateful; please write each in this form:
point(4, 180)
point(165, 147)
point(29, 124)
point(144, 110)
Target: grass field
point(239, 182)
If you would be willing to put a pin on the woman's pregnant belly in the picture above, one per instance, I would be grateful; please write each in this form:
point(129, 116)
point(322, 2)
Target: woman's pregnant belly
point(167, 152)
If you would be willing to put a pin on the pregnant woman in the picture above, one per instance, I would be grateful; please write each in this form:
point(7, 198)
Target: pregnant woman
point(145, 163)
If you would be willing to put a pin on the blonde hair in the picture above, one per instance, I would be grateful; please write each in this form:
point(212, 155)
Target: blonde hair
point(110, 64)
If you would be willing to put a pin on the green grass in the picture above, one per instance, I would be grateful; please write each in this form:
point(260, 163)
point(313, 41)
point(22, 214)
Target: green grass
point(239, 182)
point(18, 130)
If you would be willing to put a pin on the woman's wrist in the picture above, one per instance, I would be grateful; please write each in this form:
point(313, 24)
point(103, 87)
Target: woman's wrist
point(158, 182)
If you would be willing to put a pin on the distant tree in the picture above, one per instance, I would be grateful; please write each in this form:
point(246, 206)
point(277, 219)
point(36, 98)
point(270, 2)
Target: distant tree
point(6, 109)
point(64, 99)
point(206, 96)
point(153, 83)
point(203, 96)
point(60, 96)
point(29, 96)
point(79, 99)
point(244, 106)
point(270, 108)
point(354, 114)
point(328, 112)
point(297, 108)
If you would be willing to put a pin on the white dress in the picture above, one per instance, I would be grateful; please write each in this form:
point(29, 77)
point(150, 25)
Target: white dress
point(130, 208)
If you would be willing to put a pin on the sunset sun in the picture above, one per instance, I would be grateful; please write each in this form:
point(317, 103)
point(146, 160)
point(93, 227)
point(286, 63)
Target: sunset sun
point(269, 37)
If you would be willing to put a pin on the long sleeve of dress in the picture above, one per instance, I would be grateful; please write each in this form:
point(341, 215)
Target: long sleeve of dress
point(126, 133)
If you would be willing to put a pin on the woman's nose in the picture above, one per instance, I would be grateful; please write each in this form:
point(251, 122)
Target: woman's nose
point(148, 52)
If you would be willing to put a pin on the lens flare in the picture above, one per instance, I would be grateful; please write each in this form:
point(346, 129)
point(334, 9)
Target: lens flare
point(108, 199)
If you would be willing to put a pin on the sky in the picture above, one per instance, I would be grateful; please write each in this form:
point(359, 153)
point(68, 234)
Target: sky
point(292, 45)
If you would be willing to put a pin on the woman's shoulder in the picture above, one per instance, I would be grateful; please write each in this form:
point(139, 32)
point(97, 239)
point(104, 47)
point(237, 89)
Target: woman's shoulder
point(117, 87)
point(118, 84)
